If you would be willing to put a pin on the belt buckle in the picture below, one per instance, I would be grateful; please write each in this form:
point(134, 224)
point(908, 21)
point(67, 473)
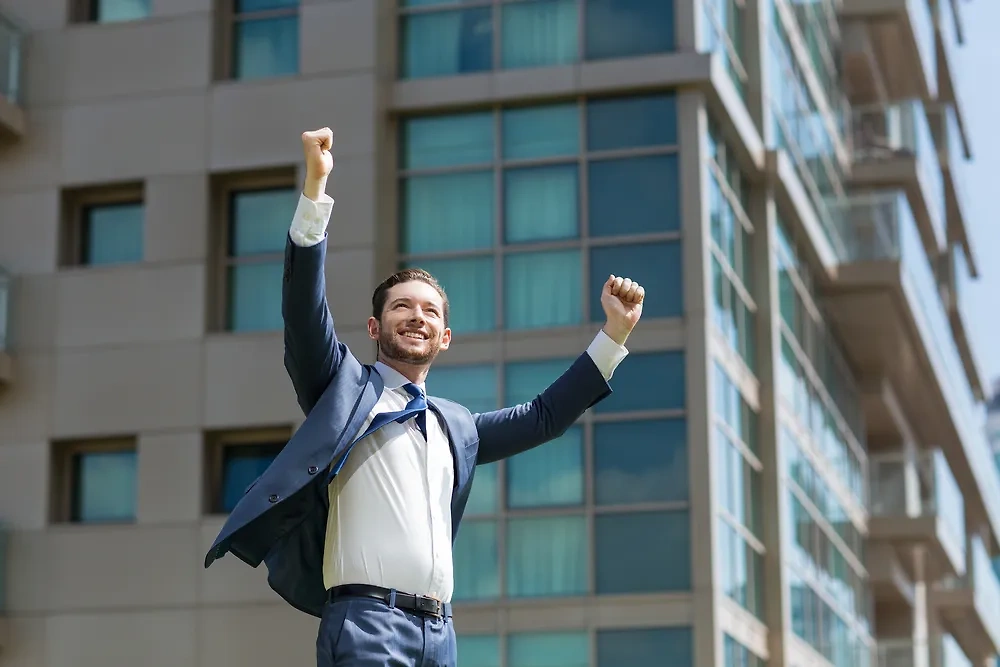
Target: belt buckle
point(429, 605)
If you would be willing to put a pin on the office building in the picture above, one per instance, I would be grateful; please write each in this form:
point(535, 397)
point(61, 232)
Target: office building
point(792, 470)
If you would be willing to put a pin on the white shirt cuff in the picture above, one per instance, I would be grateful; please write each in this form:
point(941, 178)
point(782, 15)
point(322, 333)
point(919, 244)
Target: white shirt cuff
point(606, 353)
point(310, 221)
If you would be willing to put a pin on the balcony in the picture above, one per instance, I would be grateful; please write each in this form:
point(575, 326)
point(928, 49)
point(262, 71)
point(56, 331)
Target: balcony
point(6, 363)
point(925, 509)
point(955, 276)
point(947, 23)
point(908, 653)
point(894, 147)
point(969, 606)
point(12, 123)
point(953, 155)
point(885, 301)
point(895, 47)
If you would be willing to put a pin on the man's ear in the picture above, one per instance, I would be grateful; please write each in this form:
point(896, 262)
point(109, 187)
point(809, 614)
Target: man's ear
point(373, 328)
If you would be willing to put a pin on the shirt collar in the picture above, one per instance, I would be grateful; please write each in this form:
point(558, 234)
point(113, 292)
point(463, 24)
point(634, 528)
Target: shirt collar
point(393, 379)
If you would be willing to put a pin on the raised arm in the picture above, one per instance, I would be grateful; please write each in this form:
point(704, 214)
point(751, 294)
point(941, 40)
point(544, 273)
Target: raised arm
point(504, 433)
point(312, 352)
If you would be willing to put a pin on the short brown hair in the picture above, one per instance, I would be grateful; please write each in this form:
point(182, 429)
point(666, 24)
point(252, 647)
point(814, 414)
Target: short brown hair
point(405, 276)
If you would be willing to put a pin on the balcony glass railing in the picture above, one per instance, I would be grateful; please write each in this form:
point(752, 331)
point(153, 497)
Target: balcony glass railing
point(960, 276)
point(958, 167)
point(908, 653)
point(880, 226)
point(949, 653)
point(921, 14)
point(902, 129)
point(11, 46)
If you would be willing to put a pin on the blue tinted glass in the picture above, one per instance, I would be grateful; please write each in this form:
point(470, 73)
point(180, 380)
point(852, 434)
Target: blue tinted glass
point(542, 289)
point(641, 27)
point(631, 122)
point(113, 234)
point(483, 498)
point(446, 43)
point(523, 381)
point(642, 648)
point(447, 141)
point(243, 6)
point(550, 475)
point(105, 486)
point(549, 649)
point(475, 387)
point(656, 266)
point(634, 195)
point(535, 33)
point(255, 297)
point(540, 203)
point(469, 285)
point(266, 48)
point(536, 132)
point(640, 462)
point(477, 569)
point(110, 11)
point(445, 212)
point(662, 564)
point(650, 381)
point(240, 467)
point(547, 556)
point(478, 650)
point(260, 220)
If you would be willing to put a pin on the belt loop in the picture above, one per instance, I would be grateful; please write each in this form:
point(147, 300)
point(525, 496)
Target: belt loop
point(392, 598)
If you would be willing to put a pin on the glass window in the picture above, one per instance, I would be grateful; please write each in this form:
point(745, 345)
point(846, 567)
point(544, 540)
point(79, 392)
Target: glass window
point(540, 203)
point(475, 387)
point(651, 381)
point(469, 286)
point(549, 475)
point(640, 462)
point(550, 649)
point(434, 142)
point(445, 212)
point(241, 465)
point(637, 195)
point(446, 43)
point(478, 650)
point(111, 11)
point(646, 647)
point(656, 266)
point(525, 380)
point(265, 39)
point(547, 556)
point(477, 568)
point(104, 486)
point(483, 498)
point(539, 132)
point(616, 123)
point(257, 229)
point(662, 564)
point(113, 233)
point(542, 289)
point(627, 28)
point(539, 32)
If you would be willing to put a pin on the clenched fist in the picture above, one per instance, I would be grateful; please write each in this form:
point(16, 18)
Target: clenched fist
point(317, 147)
point(622, 300)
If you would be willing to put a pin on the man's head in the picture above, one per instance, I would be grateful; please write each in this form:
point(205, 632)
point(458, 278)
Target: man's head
point(410, 318)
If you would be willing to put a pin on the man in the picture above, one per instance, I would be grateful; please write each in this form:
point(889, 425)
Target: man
point(356, 517)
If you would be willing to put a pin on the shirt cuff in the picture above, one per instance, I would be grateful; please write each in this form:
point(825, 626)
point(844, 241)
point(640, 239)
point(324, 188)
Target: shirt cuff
point(310, 221)
point(606, 353)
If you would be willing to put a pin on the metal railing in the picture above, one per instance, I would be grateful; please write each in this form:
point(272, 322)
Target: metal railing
point(4, 307)
point(11, 48)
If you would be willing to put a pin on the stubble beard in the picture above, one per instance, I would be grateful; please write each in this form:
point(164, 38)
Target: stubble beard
point(389, 348)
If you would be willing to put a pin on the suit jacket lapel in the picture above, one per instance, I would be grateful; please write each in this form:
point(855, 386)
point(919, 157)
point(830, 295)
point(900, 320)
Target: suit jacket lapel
point(457, 449)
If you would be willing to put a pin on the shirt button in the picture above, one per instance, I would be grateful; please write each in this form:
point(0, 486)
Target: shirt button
point(273, 498)
point(312, 470)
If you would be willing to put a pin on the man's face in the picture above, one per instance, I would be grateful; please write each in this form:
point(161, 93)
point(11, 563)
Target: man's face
point(411, 329)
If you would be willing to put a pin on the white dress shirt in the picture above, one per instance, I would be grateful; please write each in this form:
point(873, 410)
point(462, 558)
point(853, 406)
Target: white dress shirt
point(390, 505)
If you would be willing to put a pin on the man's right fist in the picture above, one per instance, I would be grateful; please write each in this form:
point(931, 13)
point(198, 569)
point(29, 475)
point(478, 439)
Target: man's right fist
point(317, 146)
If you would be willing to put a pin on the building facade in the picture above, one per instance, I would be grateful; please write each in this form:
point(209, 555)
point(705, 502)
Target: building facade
point(796, 435)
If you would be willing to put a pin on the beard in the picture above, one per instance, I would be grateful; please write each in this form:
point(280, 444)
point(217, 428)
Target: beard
point(390, 347)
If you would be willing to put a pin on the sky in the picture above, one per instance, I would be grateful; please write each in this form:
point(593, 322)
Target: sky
point(979, 90)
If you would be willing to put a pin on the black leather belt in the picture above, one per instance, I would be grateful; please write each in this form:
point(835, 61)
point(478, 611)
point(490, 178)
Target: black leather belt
point(419, 604)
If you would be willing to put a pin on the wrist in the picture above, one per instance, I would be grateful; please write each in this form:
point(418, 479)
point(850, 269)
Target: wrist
point(616, 332)
point(314, 187)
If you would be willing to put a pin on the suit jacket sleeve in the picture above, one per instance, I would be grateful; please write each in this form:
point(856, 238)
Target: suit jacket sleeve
point(312, 351)
point(504, 433)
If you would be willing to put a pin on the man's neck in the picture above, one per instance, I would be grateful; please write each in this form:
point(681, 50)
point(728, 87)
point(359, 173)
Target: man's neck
point(416, 374)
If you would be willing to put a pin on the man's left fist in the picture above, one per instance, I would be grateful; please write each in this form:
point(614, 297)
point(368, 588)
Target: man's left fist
point(622, 300)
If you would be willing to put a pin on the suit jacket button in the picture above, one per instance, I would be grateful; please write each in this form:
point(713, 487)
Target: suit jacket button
point(313, 470)
point(273, 498)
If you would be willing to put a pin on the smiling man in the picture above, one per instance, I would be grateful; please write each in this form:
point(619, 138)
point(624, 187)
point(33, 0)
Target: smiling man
point(356, 517)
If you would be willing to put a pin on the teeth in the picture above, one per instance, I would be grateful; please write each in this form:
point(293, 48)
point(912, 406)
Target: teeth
point(410, 334)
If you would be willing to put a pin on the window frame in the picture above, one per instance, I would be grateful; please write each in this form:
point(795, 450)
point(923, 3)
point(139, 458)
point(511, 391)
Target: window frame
point(216, 443)
point(226, 19)
point(76, 202)
point(65, 482)
point(224, 188)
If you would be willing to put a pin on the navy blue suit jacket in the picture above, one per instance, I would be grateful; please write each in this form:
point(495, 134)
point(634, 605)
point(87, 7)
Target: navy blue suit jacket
point(281, 518)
